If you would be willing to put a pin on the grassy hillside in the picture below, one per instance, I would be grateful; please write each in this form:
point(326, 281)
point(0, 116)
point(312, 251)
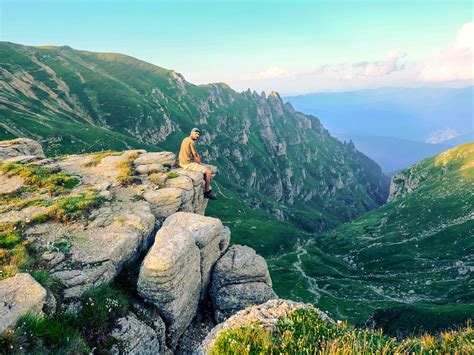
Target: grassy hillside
point(282, 163)
point(408, 264)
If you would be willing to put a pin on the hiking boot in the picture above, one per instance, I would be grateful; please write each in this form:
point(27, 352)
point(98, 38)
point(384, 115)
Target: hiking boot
point(209, 195)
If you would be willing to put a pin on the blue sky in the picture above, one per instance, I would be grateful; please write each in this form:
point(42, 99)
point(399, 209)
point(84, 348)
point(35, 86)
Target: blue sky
point(290, 46)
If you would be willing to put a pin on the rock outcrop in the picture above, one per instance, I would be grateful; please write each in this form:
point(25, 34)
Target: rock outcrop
point(176, 271)
point(266, 315)
point(164, 202)
point(405, 182)
point(240, 279)
point(90, 216)
point(19, 295)
point(94, 252)
point(20, 147)
point(94, 249)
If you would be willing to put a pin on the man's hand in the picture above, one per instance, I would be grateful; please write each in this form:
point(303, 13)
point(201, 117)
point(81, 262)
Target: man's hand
point(197, 159)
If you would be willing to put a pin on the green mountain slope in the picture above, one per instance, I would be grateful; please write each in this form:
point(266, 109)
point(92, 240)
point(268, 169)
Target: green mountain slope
point(283, 165)
point(408, 264)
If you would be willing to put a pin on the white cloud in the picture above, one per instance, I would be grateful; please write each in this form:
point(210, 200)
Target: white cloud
point(270, 73)
point(455, 62)
point(441, 135)
point(375, 69)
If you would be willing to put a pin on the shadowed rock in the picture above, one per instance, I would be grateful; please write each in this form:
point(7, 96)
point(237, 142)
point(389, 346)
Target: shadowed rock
point(240, 279)
point(139, 338)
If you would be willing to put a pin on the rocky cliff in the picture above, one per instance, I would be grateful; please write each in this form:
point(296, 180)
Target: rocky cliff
point(85, 220)
point(280, 161)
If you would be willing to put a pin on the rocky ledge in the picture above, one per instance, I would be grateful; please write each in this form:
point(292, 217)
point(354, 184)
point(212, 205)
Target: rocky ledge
point(88, 217)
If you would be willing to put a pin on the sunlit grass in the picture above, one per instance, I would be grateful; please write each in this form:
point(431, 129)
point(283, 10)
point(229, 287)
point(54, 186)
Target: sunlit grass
point(304, 332)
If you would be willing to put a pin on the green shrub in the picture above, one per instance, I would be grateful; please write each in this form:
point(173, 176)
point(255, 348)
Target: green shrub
point(172, 175)
point(41, 335)
point(13, 254)
point(246, 340)
point(101, 307)
point(304, 332)
point(67, 333)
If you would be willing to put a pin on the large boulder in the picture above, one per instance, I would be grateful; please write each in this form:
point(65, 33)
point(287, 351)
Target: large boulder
point(207, 234)
point(20, 147)
point(19, 295)
point(170, 278)
point(240, 279)
point(266, 315)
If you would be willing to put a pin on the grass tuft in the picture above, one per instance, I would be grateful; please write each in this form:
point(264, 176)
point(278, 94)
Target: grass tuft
point(98, 156)
point(72, 207)
point(126, 170)
point(172, 175)
point(39, 178)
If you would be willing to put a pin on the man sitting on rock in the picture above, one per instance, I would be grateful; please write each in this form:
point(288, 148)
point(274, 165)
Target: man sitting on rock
point(189, 160)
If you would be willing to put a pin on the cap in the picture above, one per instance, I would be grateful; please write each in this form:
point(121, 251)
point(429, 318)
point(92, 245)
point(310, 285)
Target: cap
point(195, 129)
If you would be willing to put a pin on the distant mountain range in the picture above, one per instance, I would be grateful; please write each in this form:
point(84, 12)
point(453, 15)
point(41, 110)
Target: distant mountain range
point(406, 266)
point(395, 126)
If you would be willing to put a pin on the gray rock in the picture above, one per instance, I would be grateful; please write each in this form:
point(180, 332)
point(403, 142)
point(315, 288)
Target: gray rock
point(185, 184)
point(240, 279)
point(97, 251)
point(163, 158)
point(50, 304)
point(10, 185)
point(19, 147)
point(170, 278)
point(22, 159)
point(198, 201)
point(150, 168)
point(266, 315)
point(164, 202)
point(137, 337)
point(206, 233)
point(18, 295)
point(225, 239)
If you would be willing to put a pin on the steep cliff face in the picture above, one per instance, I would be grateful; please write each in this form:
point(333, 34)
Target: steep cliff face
point(281, 161)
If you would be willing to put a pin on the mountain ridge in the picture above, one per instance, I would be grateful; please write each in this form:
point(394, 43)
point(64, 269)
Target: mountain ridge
point(281, 161)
